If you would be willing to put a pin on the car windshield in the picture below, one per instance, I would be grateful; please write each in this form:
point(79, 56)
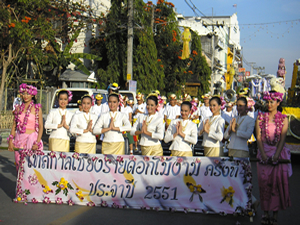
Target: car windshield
point(129, 95)
point(73, 103)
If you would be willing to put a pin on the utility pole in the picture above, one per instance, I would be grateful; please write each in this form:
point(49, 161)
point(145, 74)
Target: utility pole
point(130, 40)
point(212, 78)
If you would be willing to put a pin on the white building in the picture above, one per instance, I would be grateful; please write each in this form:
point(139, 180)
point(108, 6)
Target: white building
point(227, 35)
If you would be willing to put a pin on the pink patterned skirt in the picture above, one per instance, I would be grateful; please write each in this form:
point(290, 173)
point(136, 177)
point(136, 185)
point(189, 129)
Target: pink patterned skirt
point(24, 141)
point(273, 180)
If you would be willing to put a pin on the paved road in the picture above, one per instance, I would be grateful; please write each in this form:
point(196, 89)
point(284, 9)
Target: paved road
point(18, 213)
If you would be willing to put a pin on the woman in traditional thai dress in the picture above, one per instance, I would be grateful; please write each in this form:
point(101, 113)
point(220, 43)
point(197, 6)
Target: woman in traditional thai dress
point(82, 126)
point(58, 120)
point(27, 129)
point(240, 130)
point(151, 128)
point(212, 129)
point(204, 111)
point(271, 130)
point(182, 132)
point(172, 110)
point(112, 124)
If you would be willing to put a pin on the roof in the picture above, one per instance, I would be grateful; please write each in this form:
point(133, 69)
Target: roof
point(77, 75)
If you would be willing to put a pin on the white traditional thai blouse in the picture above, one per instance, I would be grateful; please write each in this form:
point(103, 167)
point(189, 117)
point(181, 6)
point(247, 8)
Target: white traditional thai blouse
point(179, 143)
point(216, 132)
point(140, 107)
point(172, 112)
point(120, 120)
point(155, 126)
point(54, 119)
point(97, 109)
point(205, 112)
point(238, 139)
point(79, 123)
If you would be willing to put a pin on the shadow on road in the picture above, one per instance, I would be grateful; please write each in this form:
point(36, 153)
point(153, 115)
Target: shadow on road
point(6, 184)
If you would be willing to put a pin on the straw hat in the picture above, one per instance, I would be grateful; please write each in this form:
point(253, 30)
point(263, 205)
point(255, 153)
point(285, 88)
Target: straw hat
point(172, 97)
point(99, 97)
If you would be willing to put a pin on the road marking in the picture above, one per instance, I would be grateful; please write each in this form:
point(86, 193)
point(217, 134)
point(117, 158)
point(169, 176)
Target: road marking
point(70, 216)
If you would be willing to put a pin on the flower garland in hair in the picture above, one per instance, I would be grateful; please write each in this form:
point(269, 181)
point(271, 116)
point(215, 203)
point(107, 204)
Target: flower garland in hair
point(121, 100)
point(91, 97)
point(28, 88)
point(223, 103)
point(273, 96)
point(194, 107)
point(250, 104)
point(70, 95)
point(264, 122)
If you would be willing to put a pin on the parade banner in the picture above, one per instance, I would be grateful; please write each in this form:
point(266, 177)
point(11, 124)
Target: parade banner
point(190, 184)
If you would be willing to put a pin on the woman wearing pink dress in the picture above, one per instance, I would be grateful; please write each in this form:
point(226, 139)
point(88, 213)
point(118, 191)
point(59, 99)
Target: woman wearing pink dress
point(271, 130)
point(27, 130)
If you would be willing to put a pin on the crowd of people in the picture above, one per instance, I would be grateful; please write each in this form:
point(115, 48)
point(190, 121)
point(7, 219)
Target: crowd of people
point(149, 123)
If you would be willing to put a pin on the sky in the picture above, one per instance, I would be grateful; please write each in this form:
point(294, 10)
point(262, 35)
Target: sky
point(266, 43)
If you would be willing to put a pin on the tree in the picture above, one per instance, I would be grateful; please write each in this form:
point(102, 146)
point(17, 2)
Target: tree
point(111, 45)
point(26, 26)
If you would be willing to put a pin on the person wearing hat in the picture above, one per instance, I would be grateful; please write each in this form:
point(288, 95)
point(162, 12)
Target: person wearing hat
point(172, 111)
point(79, 106)
point(140, 107)
point(128, 111)
point(97, 108)
point(205, 110)
point(112, 88)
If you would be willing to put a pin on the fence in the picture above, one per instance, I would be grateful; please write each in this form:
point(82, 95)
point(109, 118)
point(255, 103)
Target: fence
point(43, 97)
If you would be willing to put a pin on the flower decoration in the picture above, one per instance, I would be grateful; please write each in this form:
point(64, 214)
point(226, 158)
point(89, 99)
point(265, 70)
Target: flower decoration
point(91, 204)
point(34, 201)
point(194, 107)
point(179, 160)
point(223, 103)
point(22, 196)
point(146, 158)
point(197, 160)
point(70, 202)
point(103, 203)
point(196, 190)
point(162, 158)
point(94, 158)
point(276, 96)
point(107, 159)
point(227, 194)
point(132, 157)
point(47, 189)
point(33, 180)
point(263, 124)
point(70, 94)
point(46, 200)
point(115, 206)
point(119, 158)
point(62, 185)
point(62, 155)
point(59, 201)
point(52, 154)
point(75, 155)
point(79, 195)
point(28, 88)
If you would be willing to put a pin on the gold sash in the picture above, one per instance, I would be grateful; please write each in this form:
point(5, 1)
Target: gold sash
point(59, 145)
point(238, 153)
point(82, 147)
point(182, 153)
point(169, 121)
point(155, 150)
point(212, 151)
point(113, 148)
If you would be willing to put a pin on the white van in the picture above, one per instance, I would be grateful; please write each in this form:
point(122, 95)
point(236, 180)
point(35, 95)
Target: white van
point(79, 92)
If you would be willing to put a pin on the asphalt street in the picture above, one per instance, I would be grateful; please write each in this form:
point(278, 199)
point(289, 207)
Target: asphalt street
point(19, 213)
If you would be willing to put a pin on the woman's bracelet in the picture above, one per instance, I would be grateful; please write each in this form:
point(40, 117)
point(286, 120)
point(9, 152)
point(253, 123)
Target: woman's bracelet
point(10, 137)
point(38, 144)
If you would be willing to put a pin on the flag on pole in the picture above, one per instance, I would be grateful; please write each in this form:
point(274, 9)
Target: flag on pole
point(234, 5)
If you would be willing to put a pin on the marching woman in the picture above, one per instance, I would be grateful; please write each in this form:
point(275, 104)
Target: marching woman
point(82, 126)
point(182, 132)
point(212, 129)
point(27, 130)
point(271, 130)
point(151, 128)
point(112, 124)
point(58, 120)
point(239, 131)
